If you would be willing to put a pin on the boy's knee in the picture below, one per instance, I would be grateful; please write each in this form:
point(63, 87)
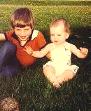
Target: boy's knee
point(8, 46)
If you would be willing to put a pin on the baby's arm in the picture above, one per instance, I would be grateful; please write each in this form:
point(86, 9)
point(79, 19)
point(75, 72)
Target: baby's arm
point(37, 54)
point(80, 53)
point(41, 53)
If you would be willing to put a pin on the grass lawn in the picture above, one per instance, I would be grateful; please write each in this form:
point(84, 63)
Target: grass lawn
point(30, 87)
point(78, 16)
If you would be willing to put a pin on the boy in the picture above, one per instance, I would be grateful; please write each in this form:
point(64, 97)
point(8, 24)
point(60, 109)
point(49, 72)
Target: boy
point(12, 54)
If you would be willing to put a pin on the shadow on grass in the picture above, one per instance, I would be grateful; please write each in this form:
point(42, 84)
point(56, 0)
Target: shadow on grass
point(83, 31)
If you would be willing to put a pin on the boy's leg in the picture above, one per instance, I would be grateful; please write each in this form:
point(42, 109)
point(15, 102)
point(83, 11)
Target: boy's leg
point(7, 50)
point(10, 69)
point(8, 61)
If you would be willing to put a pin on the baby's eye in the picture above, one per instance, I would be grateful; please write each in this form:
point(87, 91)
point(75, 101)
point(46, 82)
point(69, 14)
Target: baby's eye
point(59, 35)
point(52, 34)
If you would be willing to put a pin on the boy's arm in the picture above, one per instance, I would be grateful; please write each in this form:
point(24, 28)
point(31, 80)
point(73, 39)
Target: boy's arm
point(80, 53)
point(2, 37)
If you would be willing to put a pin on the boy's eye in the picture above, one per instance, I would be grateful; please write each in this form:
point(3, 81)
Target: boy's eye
point(17, 29)
point(26, 29)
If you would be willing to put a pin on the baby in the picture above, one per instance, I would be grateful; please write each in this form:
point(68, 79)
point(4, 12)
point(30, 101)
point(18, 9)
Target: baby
point(59, 68)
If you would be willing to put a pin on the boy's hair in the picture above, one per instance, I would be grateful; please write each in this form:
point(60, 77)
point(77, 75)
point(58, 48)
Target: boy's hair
point(61, 21)
point(22, 17)
point(9, 104)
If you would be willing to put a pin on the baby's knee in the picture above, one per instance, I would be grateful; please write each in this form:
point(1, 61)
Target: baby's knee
point(46, 69)
point(68, 75)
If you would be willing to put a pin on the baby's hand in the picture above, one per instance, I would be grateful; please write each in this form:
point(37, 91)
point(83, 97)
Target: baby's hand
point(28, 49)
point(84, 51)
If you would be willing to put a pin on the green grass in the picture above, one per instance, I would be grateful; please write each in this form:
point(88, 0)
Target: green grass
point(30, 87)
point(47, 2)
point(32, 90)
point(78, 16)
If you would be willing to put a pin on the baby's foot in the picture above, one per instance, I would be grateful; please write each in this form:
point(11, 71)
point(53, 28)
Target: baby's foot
point(56, 85)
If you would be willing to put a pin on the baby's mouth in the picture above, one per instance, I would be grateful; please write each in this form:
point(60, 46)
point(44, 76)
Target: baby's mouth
point(55, 41)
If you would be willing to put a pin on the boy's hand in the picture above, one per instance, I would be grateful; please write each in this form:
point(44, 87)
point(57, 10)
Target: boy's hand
point(84, 51)
point(28, 49)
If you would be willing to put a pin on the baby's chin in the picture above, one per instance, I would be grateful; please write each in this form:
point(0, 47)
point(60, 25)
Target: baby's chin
point(58, 43)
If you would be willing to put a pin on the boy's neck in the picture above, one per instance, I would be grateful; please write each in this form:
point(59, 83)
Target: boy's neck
point(23, 42)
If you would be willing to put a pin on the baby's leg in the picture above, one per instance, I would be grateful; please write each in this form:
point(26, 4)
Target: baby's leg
point(49, 72)
point(67, 75)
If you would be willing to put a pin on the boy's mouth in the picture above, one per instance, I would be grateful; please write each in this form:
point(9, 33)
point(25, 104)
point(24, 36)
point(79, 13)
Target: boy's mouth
point(23, 38)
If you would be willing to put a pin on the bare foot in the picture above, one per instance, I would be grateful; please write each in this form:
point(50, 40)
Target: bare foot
point(56, 85)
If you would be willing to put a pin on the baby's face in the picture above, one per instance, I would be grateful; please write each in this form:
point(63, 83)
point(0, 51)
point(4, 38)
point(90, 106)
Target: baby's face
point(23, 33)
point(58, 34)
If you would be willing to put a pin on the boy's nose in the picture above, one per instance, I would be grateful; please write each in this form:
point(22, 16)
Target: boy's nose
point(22, 32)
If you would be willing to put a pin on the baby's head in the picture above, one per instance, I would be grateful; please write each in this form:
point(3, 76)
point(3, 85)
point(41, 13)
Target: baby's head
point(22, 17)
point(61, 23)
point(9, 104)
point(59, 30)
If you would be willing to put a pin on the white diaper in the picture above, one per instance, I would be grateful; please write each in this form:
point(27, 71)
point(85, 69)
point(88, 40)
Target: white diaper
point(59, 68)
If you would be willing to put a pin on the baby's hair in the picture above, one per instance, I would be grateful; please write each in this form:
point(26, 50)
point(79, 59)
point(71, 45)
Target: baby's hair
point(59, 22)
point(9, 104)
point(22, 17)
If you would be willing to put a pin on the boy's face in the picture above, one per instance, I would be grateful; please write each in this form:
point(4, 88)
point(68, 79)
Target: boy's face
point(58, 34)
point(23, 33)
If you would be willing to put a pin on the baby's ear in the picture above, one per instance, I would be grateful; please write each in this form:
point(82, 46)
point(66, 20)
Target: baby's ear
point(67, 35)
